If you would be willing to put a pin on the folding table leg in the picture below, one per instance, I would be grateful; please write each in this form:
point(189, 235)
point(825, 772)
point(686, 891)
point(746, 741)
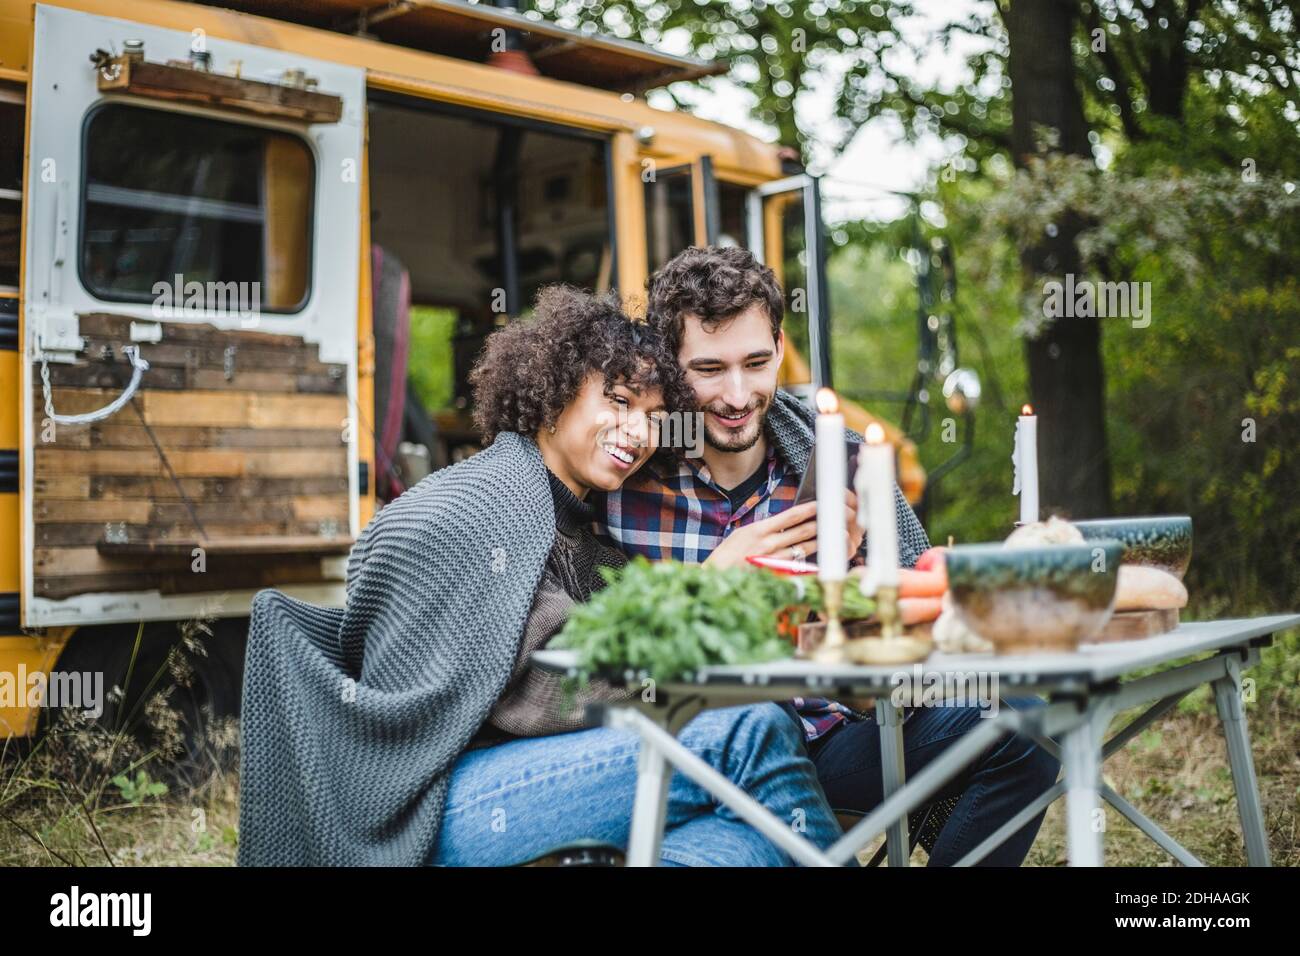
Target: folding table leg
point(889, 718)
point(1081, 762)
point(650, 806)
point(659, 757)
point(1227, 695)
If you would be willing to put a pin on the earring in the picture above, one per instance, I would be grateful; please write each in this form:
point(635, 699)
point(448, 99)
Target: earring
point(552, 429)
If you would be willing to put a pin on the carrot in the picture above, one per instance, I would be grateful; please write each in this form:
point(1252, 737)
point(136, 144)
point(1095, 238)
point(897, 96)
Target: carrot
point(916, 584)
point(916, 610)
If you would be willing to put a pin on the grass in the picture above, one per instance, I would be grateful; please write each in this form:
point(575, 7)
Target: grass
point(1176, 772)
point(88, 794)
point(76, 799)
point(54, 813)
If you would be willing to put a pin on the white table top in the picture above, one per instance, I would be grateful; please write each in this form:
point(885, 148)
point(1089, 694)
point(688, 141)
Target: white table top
point(1091, 664)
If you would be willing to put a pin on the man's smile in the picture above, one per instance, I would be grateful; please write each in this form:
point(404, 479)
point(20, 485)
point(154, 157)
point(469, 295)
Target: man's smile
point(733, 419)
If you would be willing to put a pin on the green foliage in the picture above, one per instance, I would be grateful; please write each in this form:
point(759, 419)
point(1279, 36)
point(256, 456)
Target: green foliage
point(856, 605)
point(1218, 366)
point(431, 370)
point(136, 791)
point(874, 335)
point(668, 619)
point(1277, 678)
point(1143, 83)
point(1200, 199)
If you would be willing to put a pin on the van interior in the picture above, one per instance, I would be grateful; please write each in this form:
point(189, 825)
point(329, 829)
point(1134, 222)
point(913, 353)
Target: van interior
point(480, 213)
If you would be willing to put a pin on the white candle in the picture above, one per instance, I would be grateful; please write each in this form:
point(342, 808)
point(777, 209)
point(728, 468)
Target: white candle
point(832, 481)
point(875, 485)
point(1024, 457)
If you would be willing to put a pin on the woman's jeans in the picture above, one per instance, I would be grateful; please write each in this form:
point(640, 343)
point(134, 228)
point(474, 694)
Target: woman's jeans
point(991, 789)
point(516, 801)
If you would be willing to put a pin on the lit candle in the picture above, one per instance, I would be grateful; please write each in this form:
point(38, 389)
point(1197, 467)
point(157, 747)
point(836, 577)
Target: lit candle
point(1024, 458)
point(876, 510)
point(832, 481)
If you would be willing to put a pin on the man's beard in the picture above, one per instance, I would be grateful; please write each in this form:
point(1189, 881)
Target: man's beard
point(736, 441)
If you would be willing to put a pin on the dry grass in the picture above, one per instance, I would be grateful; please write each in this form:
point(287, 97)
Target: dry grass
point(84, 794)
point(51, 818)
point(1176, 772)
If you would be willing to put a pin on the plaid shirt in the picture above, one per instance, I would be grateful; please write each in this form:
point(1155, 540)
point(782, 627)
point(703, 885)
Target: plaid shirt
point(678, 512)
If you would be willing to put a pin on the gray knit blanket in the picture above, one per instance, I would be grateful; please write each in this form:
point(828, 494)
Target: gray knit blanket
point(790, 425)
point(352, 719)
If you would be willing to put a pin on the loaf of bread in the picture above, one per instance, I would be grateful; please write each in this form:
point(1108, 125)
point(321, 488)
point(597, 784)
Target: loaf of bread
point(1148, 589)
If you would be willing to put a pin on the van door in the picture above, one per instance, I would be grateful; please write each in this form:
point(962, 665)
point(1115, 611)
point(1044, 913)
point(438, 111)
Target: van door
point(785, 229)
point(189, 346)
point(780, 223)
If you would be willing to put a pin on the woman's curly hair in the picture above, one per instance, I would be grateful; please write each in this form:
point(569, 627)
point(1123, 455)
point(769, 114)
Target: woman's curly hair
point(530, 370)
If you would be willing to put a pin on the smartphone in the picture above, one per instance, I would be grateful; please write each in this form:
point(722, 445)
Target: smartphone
point(808, 486)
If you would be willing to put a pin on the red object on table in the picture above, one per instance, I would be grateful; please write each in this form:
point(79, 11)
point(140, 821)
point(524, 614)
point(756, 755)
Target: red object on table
point(782, 565)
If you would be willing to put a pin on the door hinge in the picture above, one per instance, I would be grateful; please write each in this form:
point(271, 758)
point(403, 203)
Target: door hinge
point(57, 334)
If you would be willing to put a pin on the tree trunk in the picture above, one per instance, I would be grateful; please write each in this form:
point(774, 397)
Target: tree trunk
point(1066, 378)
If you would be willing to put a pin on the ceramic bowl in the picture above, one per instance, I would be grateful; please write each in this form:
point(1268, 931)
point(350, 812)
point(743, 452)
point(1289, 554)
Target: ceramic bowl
point(1039, 599)
point(1164, 541)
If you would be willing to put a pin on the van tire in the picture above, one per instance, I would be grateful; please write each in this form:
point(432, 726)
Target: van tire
point(216, 683)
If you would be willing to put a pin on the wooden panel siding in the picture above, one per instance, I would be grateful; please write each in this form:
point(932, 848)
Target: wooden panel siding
point(251, 424)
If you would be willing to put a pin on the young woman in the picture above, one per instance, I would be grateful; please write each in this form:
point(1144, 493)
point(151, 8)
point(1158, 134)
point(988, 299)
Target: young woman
point(408, 728)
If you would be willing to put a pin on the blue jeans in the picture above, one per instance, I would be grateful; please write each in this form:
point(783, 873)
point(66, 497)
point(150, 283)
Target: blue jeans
point(519, 800)
point(992, 789)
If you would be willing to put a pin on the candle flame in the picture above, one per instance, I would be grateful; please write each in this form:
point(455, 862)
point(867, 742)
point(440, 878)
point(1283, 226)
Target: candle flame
point(1027, 410)
point(827, 403)
point(875, 434)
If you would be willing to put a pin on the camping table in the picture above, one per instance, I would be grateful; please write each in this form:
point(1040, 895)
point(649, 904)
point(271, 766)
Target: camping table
point(1083, 690)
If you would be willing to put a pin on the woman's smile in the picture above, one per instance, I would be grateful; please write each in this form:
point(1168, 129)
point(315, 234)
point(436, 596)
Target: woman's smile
point(623, 456)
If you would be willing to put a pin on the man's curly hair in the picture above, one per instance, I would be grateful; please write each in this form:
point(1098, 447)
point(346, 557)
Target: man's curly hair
point(714, 283)
point(530, 370)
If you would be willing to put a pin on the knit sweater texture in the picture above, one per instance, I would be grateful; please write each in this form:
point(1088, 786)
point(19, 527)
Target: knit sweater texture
point(353, 718)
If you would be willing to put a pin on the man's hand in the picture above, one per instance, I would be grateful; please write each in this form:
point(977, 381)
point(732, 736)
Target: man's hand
point(856, 534)
point(792, 535)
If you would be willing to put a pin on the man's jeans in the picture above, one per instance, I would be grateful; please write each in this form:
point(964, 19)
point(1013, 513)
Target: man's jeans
point(992, 789)
point(519, 800)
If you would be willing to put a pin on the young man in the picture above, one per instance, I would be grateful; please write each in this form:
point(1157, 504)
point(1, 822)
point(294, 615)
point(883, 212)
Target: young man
point(721, 310)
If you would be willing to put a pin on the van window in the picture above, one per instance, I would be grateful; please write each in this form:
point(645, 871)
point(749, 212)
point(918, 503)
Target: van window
point(11, 185)
point(175, 198)
point(733, 215)
point(669, 216)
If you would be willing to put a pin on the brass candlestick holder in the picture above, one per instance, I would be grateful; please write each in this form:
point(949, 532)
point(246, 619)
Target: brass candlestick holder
point(832, 647)
point(887, 610)
point(892, 646)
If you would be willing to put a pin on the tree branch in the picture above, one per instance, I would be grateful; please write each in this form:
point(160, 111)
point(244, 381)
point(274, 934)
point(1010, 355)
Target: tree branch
point(1110, 61)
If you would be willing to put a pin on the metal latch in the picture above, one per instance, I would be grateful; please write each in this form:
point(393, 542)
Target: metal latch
point(58, 335)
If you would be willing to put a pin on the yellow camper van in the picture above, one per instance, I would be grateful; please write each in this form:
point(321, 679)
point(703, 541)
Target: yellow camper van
point(215, 224)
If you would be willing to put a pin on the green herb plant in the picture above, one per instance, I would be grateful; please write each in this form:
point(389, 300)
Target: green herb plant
point(666, 620)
